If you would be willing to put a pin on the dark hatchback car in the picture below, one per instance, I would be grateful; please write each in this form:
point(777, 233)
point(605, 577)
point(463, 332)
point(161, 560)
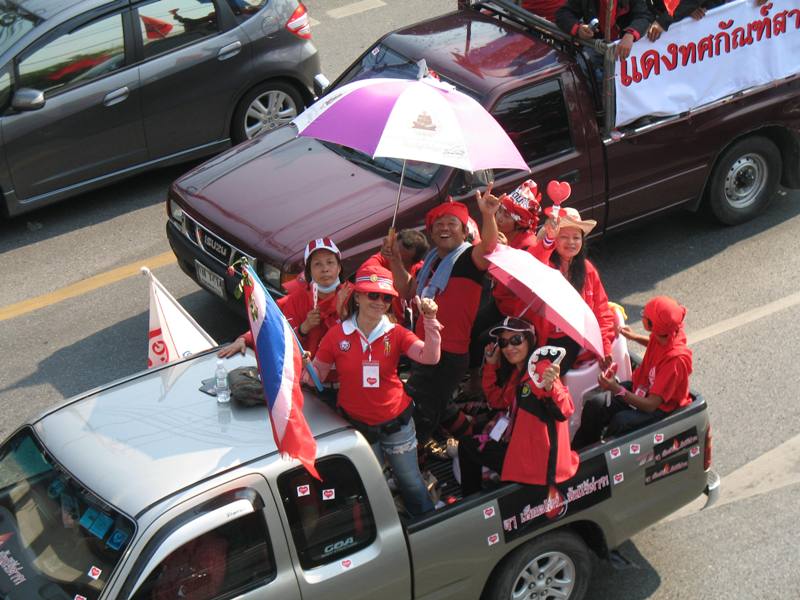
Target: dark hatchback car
point(95, 90)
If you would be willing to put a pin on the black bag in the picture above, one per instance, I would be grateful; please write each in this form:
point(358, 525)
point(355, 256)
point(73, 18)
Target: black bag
point(246, 388)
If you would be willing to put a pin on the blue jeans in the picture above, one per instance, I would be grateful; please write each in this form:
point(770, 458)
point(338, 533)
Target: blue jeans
point(400, 449)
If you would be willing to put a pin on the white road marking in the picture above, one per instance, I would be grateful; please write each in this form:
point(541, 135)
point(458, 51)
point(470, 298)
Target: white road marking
point(771, 471)
point(353, 9)
point(744, 318)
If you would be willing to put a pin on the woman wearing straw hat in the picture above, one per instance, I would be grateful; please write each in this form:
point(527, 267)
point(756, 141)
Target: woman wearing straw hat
point(365, 349)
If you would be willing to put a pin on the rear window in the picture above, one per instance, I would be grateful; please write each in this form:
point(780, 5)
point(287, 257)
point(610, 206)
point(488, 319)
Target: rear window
point(329, 519)
point(57, 539)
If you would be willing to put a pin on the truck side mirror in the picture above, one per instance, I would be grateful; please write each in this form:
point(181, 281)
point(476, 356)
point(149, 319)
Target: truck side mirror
point(26, 99)
point(188, 531)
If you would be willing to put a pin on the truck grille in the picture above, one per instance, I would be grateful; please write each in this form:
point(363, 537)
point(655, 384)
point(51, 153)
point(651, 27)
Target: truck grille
point(214, 246)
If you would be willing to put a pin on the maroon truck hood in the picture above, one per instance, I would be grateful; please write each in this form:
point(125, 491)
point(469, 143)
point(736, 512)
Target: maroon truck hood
point(271, 195)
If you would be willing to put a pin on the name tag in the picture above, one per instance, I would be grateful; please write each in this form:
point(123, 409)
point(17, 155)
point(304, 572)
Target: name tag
point(370, 375)
point(499, 428)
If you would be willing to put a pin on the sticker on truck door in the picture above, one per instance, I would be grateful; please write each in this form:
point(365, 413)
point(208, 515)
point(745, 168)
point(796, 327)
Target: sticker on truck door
point(665, 469)
point(675, 444)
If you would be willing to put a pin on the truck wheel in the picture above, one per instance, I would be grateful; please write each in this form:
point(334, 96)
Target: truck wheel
point(744, 180)
point(264, 108)
point(555, 565)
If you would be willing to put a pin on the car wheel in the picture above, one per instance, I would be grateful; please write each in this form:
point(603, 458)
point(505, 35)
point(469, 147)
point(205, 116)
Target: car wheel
point(555, 565)
point(744, 180)
point(264, 108)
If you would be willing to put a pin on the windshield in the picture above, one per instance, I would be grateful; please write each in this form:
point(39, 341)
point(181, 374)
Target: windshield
point(15, 22)
point(57, 539)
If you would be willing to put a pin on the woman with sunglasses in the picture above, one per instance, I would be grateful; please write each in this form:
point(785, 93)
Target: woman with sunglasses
point(529, 439)
point(364, 350)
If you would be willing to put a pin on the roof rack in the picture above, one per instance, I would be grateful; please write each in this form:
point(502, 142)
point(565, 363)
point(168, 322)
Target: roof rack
point(510, 10)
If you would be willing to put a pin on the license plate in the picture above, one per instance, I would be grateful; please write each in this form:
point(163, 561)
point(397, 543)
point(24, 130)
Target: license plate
point(210, 280)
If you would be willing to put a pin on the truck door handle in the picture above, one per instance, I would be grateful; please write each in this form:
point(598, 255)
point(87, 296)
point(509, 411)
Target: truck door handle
point(116, 96)
point(230, 50)
point(573, 176)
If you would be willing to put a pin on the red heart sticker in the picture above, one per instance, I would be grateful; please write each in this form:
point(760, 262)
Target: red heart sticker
point(79, 597)
point(615, 452)
point(635, 448)
point(488, 512)
point(694, 451)
point(328, 494)
point(658, 438)
point(558, 191)
point(372, 380)
point(94, 572)
point(347, 563)
point(619, 477)
point(493, 539)
point(303, 490)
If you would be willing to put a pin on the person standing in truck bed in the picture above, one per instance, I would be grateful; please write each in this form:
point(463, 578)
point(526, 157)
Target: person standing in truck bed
point(629, 21)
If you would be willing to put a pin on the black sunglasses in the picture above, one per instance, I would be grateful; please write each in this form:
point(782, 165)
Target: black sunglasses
point(376, 296)
point(514, 340)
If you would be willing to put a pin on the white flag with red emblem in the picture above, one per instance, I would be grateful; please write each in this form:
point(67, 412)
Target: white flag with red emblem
point(173, 333)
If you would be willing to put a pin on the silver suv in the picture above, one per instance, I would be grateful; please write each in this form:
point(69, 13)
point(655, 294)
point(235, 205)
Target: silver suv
point(95, 90)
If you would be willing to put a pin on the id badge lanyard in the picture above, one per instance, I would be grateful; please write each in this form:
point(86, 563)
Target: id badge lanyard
point(370, 369)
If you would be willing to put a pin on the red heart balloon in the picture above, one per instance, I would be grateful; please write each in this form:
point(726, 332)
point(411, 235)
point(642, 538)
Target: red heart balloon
point(558, 191)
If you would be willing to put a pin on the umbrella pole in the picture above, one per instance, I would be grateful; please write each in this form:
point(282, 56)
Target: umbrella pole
point(397, 203)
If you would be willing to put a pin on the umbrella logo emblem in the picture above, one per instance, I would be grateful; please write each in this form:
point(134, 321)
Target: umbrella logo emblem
point(424, 121)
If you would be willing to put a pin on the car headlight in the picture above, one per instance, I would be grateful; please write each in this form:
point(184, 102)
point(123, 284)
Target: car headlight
point(271, 276)
point(175, 211)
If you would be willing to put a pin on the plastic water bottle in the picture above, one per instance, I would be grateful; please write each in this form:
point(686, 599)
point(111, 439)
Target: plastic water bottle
point(221, 383)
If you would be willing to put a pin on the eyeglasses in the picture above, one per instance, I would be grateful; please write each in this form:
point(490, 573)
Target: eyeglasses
point(514, 340)
point(376, 296)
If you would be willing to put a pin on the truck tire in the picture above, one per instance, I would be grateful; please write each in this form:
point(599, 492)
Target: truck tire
point(264, 108)
point(555, 565)
point(744, 180)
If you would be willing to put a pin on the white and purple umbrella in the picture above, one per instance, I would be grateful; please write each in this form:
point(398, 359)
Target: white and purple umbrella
point(421, 119)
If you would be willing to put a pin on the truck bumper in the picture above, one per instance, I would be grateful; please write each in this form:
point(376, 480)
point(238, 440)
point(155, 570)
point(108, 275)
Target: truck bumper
point(712, 489)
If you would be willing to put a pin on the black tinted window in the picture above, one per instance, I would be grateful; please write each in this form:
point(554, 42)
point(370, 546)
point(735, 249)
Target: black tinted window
point(89, 52)
point(228, 560)
point(535, 118)
point(168, 24)
point(244, 9)
point(329, 519)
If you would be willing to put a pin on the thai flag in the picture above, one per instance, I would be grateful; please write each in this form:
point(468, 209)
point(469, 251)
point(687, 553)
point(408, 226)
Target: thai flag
point(280, 361)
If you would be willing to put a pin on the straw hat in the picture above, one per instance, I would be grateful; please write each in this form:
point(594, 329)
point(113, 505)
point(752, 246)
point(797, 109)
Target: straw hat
point(569, 217)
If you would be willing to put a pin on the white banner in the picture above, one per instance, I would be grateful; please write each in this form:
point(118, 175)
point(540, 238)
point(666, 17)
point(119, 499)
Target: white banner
point(734, 47)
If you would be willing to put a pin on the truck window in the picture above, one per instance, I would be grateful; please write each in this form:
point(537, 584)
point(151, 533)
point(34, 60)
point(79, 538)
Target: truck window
point(328, 519)
point(535, 118)
point(227, 561)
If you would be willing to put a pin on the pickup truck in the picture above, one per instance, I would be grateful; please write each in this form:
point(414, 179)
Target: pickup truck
point(266, 198)
point(149, 489)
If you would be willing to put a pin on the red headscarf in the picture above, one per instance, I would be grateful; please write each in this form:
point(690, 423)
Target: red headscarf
point(457, 209)
point(665, 314)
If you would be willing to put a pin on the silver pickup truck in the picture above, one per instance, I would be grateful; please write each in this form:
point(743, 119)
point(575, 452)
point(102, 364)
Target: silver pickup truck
point(148, 489)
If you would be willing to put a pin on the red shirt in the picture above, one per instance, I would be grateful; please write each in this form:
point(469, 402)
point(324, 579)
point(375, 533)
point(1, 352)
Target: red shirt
point(507, 301)
point(398, 304)
point(664, 372)
point(532, 438)
point(458, 304)
point(342, 346)
point(543, 8)
point(296, 306)
point(196, 570)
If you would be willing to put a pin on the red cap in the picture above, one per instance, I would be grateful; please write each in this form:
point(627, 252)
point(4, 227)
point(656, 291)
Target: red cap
point(665, 314)
point(374, 279)
point(321, 244)
point(457, 209)
point(523, 204)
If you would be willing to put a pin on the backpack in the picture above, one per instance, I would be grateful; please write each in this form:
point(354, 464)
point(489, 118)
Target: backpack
point(246, 388)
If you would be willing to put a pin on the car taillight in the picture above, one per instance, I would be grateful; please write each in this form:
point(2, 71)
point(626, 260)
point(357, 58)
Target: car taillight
point(299, 24)
point(707, 454)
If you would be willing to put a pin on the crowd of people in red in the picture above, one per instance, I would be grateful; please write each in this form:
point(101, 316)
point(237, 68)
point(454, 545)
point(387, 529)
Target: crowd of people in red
point(430, 302)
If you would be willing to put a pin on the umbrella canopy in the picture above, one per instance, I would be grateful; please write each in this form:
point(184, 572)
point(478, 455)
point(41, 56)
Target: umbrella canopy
point(548, 293)
point(422, 119)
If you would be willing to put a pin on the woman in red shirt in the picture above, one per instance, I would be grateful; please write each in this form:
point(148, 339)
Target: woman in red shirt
point(311, 307)
point(365, 350)
point(529, 441)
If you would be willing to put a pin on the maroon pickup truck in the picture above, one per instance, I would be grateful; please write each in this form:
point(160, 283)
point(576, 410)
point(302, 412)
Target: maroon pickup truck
point(267, 197)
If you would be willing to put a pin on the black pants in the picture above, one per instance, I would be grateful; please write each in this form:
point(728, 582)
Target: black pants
point(471, 461)
point(617, 419)
point(431, 387)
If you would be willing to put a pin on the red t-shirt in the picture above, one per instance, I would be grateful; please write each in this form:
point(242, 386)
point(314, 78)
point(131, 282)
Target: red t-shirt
point(543, 8)
point(342, 347)
point(398, 304)
point(665, 372)
point(298, 304)
point(458, 304)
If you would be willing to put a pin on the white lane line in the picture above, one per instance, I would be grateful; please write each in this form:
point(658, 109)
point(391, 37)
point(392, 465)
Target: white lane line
point(771, 471)
point(353, 9)
point(744, 318)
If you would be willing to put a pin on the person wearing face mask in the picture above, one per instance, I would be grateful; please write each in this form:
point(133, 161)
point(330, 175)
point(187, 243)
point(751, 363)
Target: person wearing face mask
point(452, 274)
point(659, 385)
point(528, 441)
point(310, 308)
point(365, 349)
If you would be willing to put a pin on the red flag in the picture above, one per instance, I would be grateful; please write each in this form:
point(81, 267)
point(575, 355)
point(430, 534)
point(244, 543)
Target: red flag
point(156, 29)
point(671, 5)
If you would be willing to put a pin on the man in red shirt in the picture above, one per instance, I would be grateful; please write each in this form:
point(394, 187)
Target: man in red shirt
point(452, 275)
point(660, 384)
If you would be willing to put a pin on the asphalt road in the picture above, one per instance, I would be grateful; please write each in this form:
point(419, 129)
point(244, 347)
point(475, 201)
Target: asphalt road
point(741, 287)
